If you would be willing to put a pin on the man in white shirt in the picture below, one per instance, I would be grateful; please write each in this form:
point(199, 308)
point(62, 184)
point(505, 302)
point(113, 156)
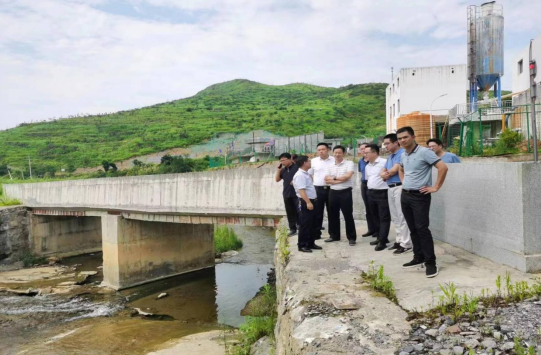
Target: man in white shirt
point(320, 165)
point(339, 177)
point(304, 187)
point(378, 196)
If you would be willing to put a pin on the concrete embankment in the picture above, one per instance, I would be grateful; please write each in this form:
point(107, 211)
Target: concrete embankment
point(325, 307)
point(13, 233)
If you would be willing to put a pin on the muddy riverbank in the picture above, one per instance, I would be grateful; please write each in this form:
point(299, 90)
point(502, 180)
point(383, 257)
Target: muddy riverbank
point(66, 318)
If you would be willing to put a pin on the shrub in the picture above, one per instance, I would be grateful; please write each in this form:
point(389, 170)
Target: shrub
point(226, 239)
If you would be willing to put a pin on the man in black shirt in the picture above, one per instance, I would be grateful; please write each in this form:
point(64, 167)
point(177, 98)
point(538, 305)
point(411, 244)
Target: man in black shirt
point(286, 171)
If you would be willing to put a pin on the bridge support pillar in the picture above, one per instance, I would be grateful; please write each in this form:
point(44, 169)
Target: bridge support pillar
point(65, 235)
point(136, 252)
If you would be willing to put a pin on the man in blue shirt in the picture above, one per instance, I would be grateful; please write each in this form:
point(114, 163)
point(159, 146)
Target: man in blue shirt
point(390, 175)
point(364, 193)
point(436, 146)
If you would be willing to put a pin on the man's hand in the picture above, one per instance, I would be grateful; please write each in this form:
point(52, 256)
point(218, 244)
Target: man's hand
point(428, 190)
point(329, 180)
point(279, 166)
point(310, 206)
point(385, 175)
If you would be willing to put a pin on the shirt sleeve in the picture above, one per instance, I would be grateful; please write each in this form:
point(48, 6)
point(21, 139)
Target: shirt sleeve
point(360, 168)
point(430, 157)
point(311, 171)
point(351, 167)
point(455, 159)
point(299, 183)
point(401, 160)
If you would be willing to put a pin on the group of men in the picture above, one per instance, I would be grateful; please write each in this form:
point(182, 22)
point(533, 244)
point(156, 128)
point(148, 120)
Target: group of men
point(396, 189)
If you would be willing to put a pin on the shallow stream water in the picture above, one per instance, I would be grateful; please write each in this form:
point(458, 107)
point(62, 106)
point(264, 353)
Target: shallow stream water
point(98, 322)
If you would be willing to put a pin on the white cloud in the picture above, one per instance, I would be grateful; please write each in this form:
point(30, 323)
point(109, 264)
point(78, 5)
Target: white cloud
point(62, 57)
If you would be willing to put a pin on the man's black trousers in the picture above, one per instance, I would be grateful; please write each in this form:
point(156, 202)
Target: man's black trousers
point(292, 205)
point(381, 215)
point(308, 230)
point(416, 210)
point(341, 200)
point(322, 203)
point(369, 218)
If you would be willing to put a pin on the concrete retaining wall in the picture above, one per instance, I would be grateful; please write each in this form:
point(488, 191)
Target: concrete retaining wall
point(13, 233)
point(493, 210)
point(65, 236)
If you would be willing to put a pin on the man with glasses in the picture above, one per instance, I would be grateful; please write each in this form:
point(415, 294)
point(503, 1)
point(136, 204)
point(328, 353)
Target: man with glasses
point(364, 192)
point(390, 175)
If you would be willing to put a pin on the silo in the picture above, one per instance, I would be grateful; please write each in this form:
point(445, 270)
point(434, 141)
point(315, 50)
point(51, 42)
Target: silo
point(489, 34)
point(485, 49)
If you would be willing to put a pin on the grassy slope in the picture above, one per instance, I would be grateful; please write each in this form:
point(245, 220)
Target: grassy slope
point(235, 106)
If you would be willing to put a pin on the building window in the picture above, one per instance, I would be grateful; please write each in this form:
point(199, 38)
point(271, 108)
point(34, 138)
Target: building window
point(393, 88)
point(520, 66)
point(397, 82)
point(452, 70)
point(398, 107)
point(394, 111)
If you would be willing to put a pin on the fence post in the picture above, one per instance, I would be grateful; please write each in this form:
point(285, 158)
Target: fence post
point(528, 125)
point(481, 131)
point(461, 142)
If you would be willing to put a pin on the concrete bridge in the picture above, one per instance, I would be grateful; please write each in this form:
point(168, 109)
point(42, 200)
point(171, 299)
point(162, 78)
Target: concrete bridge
point(151, 227)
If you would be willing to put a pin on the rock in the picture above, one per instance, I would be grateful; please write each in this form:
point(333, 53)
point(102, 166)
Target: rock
point(100, 267)
point(403, 353)
point(162, 295)
point(442, 328)
point(432, 332)
point(454, 329)
point(346, 302)
point(458, 350)
point(489, 344)
point(407, 349)
point(497, 335)
point(88, 273)
point(418, 347)
point(53, 260)
point(508, 346)
point(67, 283)
point(229, 254)
point(445, 352)
point(218, 261)
point(263, 346)
point(471, 344)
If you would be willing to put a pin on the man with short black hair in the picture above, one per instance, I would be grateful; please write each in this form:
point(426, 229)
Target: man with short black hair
point(304, 188)
point(339, 177)
point(391, 176)
point(377, 196)
point(286, 171)
point(364, 192)
point(319, 168)
point(416, 174)
point(436, 146)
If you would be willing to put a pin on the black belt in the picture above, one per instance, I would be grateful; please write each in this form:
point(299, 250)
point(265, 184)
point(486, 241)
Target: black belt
point(311, 200)
point(364, 182)
point(346, 189)
point(395, 185)
point(378, 190)
point(323, 187)
point(412, 191)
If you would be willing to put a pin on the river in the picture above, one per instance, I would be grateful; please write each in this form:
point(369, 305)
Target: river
point(98, 321)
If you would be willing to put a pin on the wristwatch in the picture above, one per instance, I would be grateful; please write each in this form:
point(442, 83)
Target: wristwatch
point(334, 178)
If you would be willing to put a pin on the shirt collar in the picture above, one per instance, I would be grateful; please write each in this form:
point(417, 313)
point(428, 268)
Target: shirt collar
point(306, 172)
point(413, 151)
point(337, 163)
point(378, 159)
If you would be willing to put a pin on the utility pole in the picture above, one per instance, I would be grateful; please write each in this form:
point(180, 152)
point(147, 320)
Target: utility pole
point(30, 166)
point(533, 96)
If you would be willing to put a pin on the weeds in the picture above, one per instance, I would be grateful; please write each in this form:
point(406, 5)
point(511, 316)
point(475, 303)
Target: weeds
point(380, 282)
point(521, 350)
point(283, 245)
point(30, 259)
point(261, 323)
point(226, 239)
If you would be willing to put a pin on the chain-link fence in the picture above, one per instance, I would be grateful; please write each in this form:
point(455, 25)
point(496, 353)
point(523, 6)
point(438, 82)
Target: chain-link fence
point(490, 129)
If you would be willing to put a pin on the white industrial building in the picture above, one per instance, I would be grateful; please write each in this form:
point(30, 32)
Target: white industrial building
point(521, 72)
point(414, 89)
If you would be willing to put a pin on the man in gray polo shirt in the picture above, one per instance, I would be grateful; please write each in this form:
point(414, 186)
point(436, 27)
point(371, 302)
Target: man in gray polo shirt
point(416, 175)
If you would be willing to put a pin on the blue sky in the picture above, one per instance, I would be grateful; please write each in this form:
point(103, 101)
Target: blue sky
point(66, 57)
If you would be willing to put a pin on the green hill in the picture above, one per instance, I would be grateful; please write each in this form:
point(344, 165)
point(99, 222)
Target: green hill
point(234, 106)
